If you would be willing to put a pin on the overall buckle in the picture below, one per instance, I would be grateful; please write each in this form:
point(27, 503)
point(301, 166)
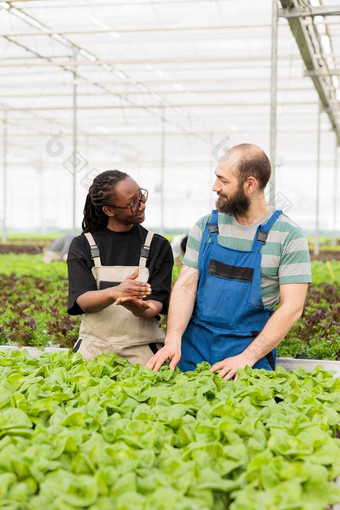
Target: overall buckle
point(262, 236)
point(94, 251)
point(145, 251)
point(213, 229)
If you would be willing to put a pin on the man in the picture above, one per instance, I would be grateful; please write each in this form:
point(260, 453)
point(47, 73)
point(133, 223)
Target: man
point(58, 249)
point(240, 261)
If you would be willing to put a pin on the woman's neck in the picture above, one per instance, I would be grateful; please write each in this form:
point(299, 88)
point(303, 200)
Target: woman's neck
point(117, 226)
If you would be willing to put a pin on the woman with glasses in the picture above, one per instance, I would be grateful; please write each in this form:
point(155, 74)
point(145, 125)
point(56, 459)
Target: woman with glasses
point(119, 273)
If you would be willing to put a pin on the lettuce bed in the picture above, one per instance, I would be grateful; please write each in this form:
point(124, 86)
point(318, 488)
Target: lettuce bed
point(33, 306)
point(107, 435)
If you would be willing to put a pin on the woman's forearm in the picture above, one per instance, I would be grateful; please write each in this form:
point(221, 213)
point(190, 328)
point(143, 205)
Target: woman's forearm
point(96, 300)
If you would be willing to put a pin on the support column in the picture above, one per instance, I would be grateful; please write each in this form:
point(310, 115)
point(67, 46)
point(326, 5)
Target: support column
point(74, 144)
point(335, 185)
point(40, 171)
point(212, 167)
point(162, 168)
point(4, 180)
point(316, 240)
point(273, 101)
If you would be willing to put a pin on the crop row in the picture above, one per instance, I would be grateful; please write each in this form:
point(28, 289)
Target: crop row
point(106, 435)
point(33, 305)
point(317, 334)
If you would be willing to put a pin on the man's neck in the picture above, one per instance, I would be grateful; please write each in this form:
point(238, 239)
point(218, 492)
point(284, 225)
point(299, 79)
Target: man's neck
point(255, 212)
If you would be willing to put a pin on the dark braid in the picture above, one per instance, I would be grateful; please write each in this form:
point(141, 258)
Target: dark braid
point(101, 192)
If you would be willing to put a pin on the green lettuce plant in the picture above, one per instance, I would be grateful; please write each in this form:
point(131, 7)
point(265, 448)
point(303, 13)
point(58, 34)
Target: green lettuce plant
point(108, 435)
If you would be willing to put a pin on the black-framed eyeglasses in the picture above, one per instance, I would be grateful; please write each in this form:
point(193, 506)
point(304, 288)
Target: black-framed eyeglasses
point(143, 196)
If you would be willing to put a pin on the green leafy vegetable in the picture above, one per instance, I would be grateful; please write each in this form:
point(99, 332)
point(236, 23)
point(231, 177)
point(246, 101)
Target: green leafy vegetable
point(107, 435)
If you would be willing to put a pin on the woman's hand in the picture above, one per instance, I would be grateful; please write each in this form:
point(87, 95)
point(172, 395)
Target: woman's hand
point(132, 288)
point(95, 301)
point(135, 306)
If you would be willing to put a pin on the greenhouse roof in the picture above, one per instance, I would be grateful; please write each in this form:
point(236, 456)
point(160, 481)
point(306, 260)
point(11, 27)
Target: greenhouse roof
point(159, 89)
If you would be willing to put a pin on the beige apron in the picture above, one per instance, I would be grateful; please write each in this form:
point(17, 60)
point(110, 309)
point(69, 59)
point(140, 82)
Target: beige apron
point(116, 329)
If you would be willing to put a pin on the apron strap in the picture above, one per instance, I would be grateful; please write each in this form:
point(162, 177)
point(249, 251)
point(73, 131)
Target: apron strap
point(262, 231)
point(211, 229)
point(95, 253)
point(145, 251)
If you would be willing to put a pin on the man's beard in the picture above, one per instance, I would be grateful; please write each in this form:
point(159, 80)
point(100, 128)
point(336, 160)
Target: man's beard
point(237, 205)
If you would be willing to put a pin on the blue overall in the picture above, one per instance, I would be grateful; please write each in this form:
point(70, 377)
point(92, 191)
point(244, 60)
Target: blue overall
point(229, 311)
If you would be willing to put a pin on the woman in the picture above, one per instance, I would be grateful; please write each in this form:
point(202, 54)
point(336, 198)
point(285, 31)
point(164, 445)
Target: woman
point(119, 273)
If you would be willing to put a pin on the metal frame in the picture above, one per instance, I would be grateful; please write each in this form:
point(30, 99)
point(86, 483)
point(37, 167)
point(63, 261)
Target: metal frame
point(91, 59)
point(206, 93)
point(273, 101)
point(312, 11)
point(4, 178)
point(312, 53)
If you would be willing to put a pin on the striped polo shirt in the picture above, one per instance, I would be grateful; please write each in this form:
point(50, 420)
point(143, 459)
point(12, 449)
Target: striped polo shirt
point(285, 255)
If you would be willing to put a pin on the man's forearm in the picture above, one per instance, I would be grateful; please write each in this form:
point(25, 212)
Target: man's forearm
point(292, 298)
point(182, 303)
point(274, 331)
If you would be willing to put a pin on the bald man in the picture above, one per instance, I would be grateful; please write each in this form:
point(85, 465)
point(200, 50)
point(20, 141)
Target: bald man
point(240, 261)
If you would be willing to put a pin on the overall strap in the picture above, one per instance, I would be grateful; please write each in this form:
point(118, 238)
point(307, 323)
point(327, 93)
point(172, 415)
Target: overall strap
point(145, 251)
point(262, 231)
point(211, 229)
point(95, 253)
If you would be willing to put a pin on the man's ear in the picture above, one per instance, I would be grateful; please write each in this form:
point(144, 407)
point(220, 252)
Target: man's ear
point(250, 184)
point(108, 210)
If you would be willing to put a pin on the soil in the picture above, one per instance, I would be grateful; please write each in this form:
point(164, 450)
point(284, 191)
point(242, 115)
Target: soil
point(325, 255)
point(20, 248)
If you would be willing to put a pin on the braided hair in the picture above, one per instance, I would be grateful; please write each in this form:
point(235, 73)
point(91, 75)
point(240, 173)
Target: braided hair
point(101, 192)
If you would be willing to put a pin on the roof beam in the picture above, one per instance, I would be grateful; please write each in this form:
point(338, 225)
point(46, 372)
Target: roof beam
point(173, 60)
point(324, 73)
point(141, 93)
point(321, 10)
point(147, 106)
point(134, 30)
point(165, 103)
point(154, 132)
point(109, 3)
point(309, 44)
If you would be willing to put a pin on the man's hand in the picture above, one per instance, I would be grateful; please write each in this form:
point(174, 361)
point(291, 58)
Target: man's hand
point(229, 366)
point(180, 310)
point(135, 306)
point(130, 287)
point(169, 351)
